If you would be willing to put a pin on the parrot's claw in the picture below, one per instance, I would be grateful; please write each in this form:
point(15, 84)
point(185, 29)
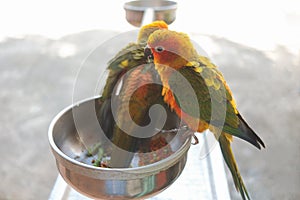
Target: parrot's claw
point(189, 133)
point(173, 130)
point(195, 138)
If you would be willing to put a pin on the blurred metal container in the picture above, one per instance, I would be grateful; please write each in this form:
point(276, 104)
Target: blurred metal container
point(160, 10)
point(68, 142)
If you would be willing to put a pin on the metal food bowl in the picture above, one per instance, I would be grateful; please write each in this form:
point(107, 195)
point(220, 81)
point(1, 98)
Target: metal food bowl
point(72, 130)
point(163, 10)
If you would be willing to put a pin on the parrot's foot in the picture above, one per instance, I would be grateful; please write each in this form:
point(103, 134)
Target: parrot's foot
point(189, 133)
point(173, 130)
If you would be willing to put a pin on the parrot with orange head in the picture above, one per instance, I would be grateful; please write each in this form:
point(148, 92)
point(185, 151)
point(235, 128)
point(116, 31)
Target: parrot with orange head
point(128, 58)
point(196, 90)
point(139, 89)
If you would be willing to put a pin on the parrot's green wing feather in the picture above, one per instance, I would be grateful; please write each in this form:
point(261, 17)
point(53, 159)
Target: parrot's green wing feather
point(185, 84)
point(128, 58)
point(133, 52)
point(136, 97)
point(200, 86)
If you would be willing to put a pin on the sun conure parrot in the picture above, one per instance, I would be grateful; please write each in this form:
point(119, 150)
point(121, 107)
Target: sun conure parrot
point(140, 90)
point(128, 58)
point(132, 74)
point(193, 83)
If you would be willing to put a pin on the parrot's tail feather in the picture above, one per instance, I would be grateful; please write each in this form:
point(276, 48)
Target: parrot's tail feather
point(248, 134)
point(244, 132)
point(230, 161)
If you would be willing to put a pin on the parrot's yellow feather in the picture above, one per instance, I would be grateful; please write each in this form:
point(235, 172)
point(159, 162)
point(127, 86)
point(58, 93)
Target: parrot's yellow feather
point(146, 30)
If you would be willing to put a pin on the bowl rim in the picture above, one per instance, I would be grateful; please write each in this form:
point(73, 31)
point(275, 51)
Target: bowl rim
point(130, 6)
point(157, 166)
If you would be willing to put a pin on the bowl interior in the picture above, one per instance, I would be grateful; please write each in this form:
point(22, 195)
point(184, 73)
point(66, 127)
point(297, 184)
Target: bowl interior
point(78, 137)
point(139, 12)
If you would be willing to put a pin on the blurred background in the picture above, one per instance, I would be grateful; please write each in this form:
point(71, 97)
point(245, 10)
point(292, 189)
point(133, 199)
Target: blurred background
point(255, 43)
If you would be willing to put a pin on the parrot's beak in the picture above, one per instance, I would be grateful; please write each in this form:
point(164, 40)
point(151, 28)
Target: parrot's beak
point(148, 53)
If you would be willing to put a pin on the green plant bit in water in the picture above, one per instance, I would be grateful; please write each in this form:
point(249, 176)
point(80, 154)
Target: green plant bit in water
point(92, 150)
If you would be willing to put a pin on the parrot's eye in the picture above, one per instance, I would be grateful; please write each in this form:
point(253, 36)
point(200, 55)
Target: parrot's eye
point(159, 49)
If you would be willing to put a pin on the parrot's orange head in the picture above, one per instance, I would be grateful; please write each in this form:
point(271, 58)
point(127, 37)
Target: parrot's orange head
point(148, 29)
point(171, 48)
point(156, 24)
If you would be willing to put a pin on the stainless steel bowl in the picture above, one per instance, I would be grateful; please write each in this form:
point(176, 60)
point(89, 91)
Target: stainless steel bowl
point(73, 129)
point(163, 10)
